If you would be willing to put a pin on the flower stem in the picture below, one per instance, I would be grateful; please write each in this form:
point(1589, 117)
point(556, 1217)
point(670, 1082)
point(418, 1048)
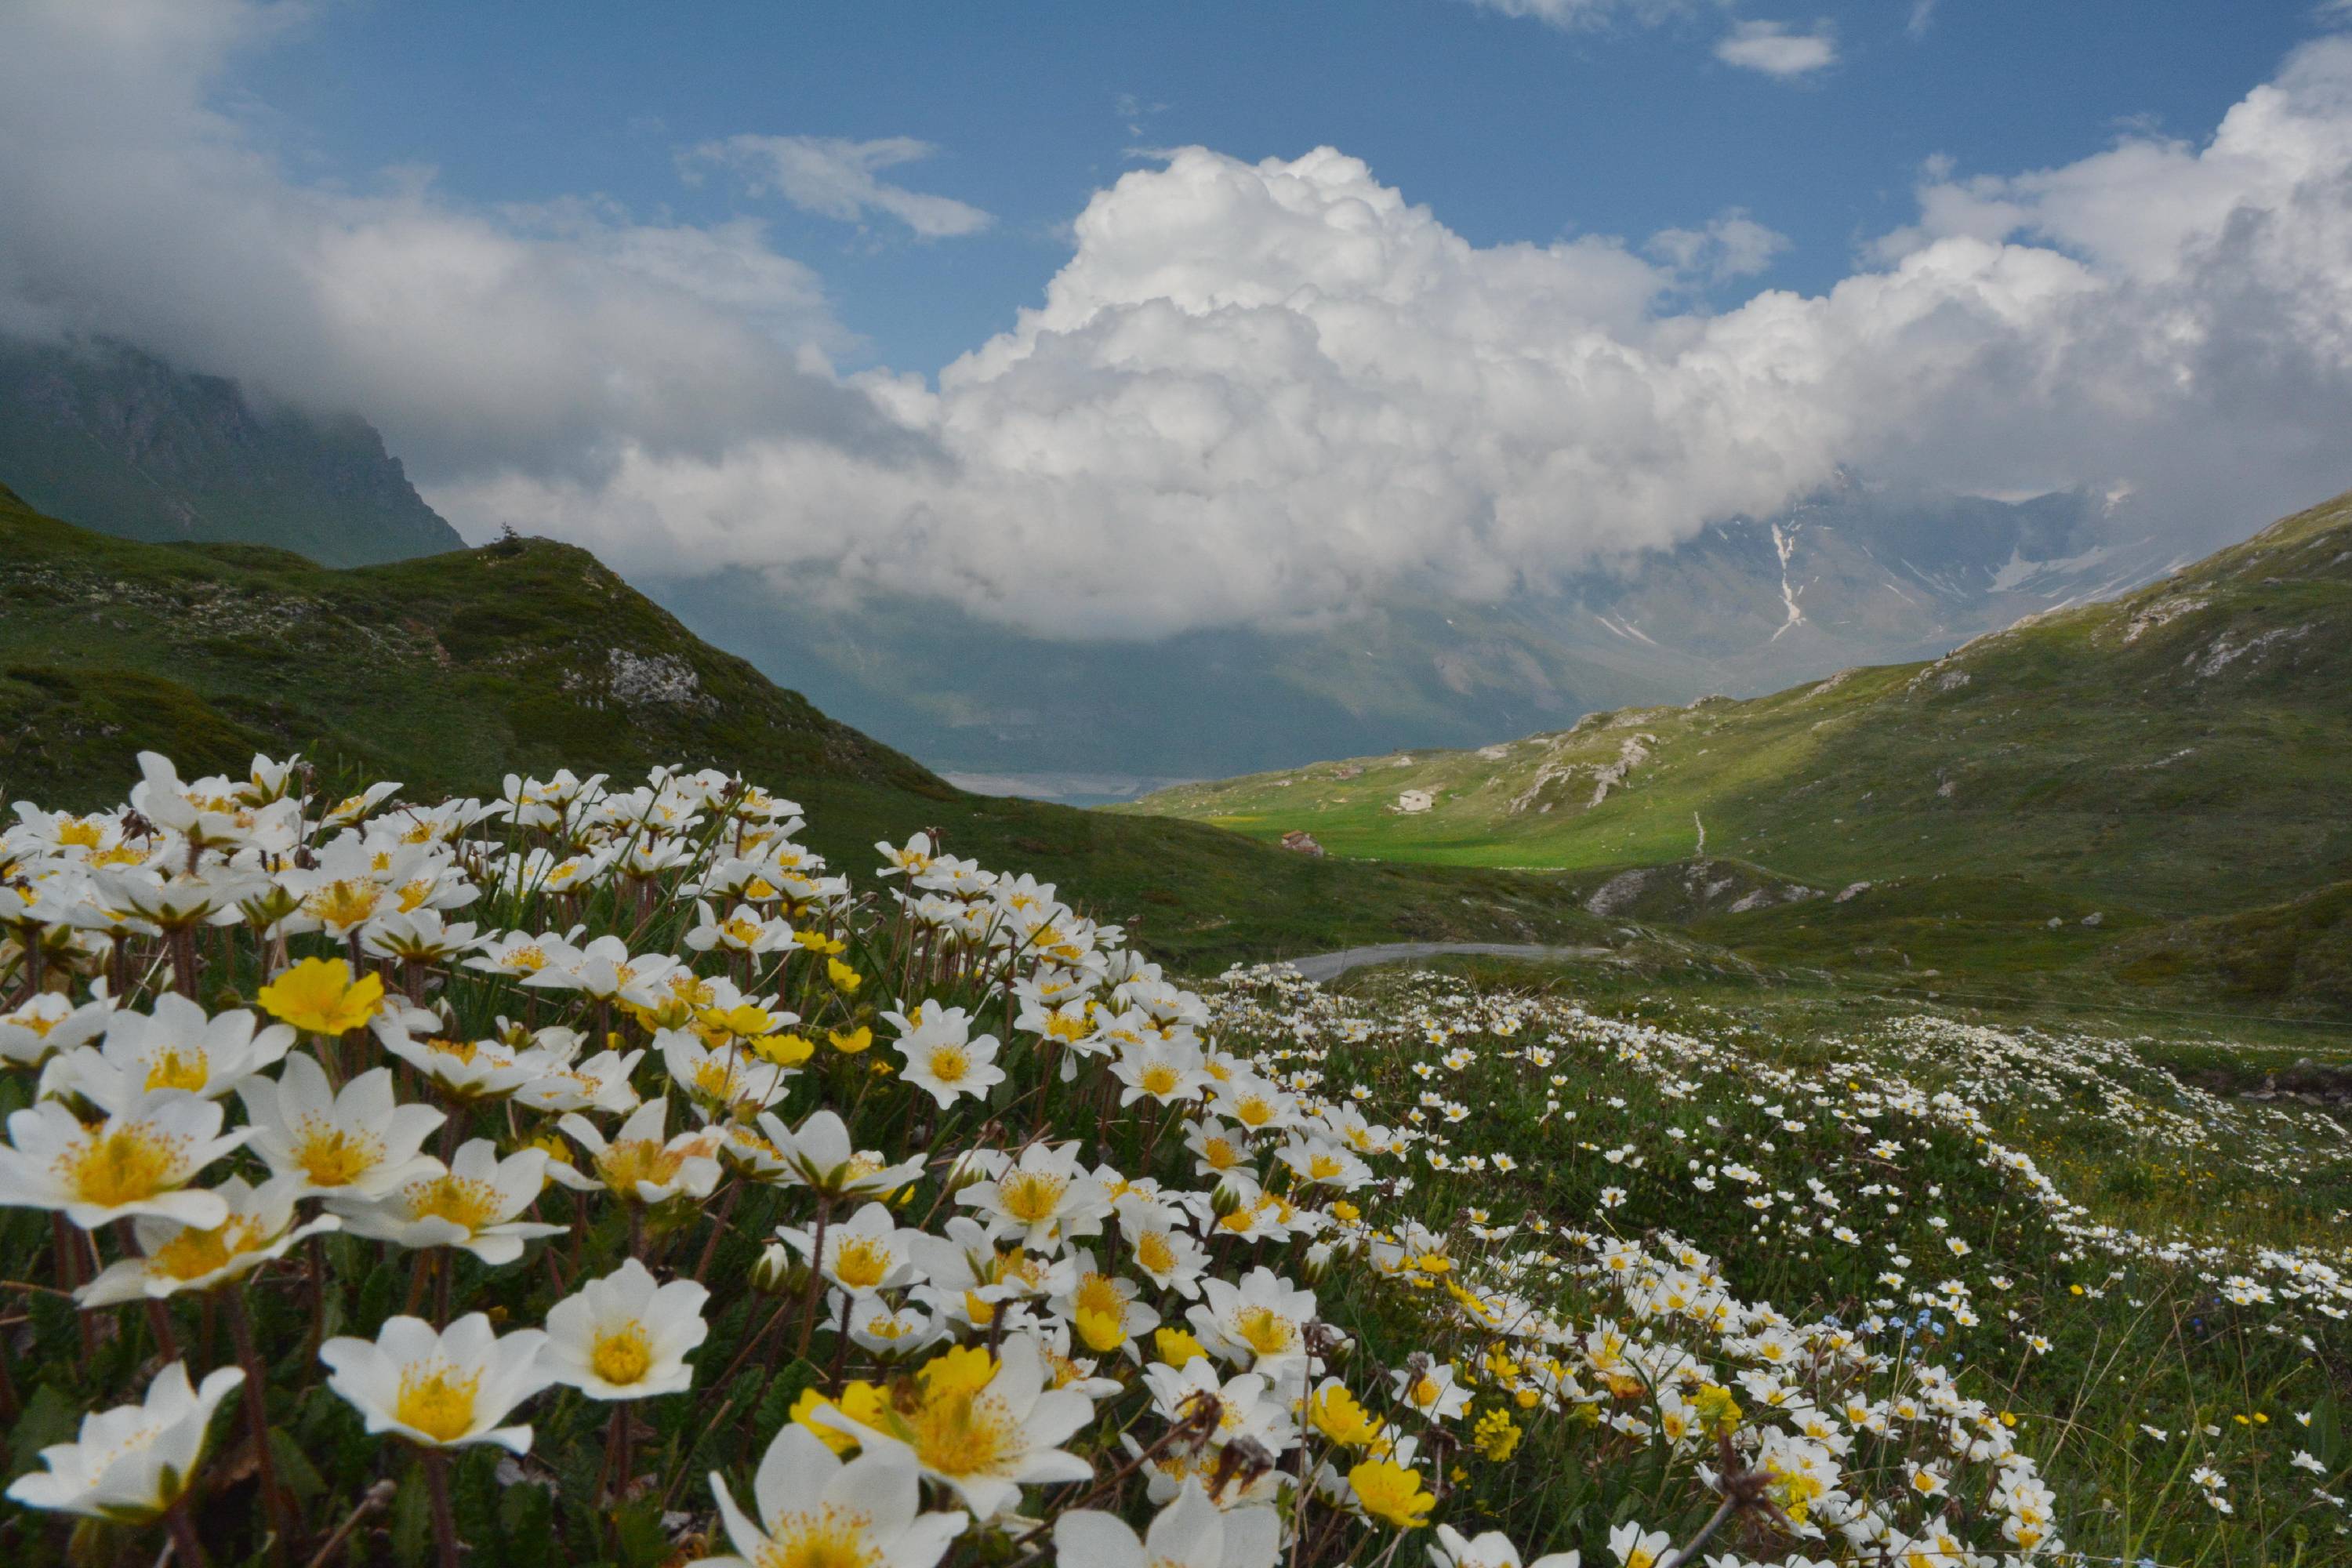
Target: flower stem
point(257, 1420)
point(444, 1519)
point(186, 1549)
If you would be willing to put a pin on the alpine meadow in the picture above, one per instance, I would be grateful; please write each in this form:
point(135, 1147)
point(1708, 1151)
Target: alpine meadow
point(1496, 783)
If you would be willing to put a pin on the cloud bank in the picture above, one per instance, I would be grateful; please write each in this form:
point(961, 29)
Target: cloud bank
point(1255, 393)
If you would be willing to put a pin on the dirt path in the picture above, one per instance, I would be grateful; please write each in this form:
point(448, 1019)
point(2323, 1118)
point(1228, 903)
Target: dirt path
point(1325, 966)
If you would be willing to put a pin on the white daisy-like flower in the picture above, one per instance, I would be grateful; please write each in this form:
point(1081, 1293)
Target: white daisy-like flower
point(471, 1203)
point(172, 1258)
point(442, 1389)
point(1045, 1198)
point(360, 1142)
point(625, 1336)
point(813, 1509)
point(944, 1061)
point(138, 1161)
point(820, 1156)
point(133, 1463)
point(639, 1163)
point(863, 1254)
point(174, 1047)
point(1190, 1532)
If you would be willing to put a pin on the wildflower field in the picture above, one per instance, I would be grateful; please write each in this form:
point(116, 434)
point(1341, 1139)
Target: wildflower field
point(593, 1174)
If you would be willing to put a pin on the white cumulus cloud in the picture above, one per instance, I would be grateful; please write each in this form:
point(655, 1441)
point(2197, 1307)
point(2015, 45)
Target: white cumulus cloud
point(1256, 393)
point(836, 179)
point(1778, 49)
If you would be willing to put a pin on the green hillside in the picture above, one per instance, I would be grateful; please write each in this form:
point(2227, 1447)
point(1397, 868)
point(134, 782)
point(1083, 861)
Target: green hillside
point(448, 671)
point(2171, 762)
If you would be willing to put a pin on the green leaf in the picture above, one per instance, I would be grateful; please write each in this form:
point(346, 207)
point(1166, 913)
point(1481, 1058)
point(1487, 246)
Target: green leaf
point(412, 1519)
point(49, 1416)
point(294, 1471)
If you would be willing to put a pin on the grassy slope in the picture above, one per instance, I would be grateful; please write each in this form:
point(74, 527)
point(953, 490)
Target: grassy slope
point(447, 671)
point(2154, 760)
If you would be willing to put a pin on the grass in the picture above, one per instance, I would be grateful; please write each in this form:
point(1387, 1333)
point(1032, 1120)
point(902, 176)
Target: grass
point(2104, 1202)
point(2168, 759)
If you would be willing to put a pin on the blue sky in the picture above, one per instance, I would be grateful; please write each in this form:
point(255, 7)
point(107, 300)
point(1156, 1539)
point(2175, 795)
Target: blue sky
point(1509, 128)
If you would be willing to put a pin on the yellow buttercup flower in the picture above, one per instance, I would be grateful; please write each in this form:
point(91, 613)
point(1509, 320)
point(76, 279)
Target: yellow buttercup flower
point(851, 1042)
point(318, 996)
point(1392, 1493)
point(1338, 1415)
point(845, 979)
point(785, 1050)
point(1175, 1347)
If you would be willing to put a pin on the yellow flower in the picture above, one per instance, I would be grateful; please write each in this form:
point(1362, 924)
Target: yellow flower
point(1496, 1435)
point(1175, 1347)
point(743, 1020)
point(1391, 1492)
point(845, 979)
point(852, 1042)
point(1337, 1414)
point(817, 941)
point(317, 995)
point(785, 1050)
point(805, 1412)
point(1718, 1409)
point(964, 1369)
point(1347, 1212)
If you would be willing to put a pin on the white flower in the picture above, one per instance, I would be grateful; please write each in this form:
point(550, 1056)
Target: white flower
point(640, 1164)
point(600, 1084)
point(360, 1142)
point(1432, 1391)
point(867, 1252)
point(462, 1069)
point(1162, 1250)
point(719, 1079)
point(944, 1061)
point(1190, 1532)
point(471, 1203)
point(48, 1023)
point(133, 1462)
point(1047, 1198)
point(821, 1157)
point(605, 971)
point(176, 1047)
point(172, 1258)
point(137, 1162)
point(1492, 1549)
point(1165, 1070)
point(442, 1390)
point(815, 1509)
point(1260, 1323)
point(624, 1336)
point(1637, 1548)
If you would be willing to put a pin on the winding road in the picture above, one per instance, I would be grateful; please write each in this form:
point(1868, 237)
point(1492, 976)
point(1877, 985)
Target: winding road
point(1326, 966)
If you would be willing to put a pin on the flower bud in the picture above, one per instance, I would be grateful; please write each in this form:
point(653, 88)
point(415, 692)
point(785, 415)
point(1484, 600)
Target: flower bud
point(773, 1271)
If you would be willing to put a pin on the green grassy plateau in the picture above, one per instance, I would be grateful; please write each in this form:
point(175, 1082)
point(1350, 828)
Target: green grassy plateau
point(2169, 766)
point(448, 671)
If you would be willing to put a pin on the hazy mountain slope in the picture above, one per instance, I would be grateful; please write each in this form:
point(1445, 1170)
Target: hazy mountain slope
point(448, 671)
point(2179, 752)
point(1853, 574)
point(106, 432)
